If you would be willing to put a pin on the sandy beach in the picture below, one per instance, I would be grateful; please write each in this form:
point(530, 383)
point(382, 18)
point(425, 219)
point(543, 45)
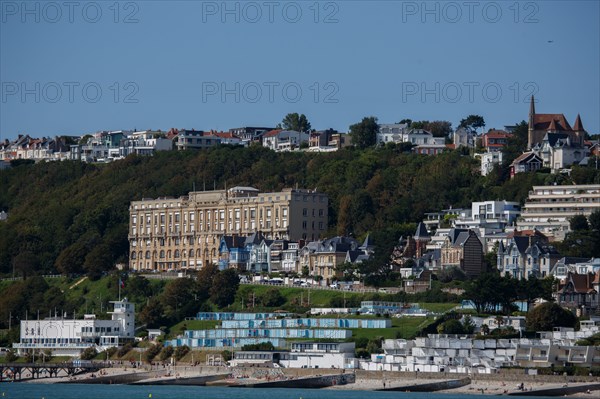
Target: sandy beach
point(363, 382)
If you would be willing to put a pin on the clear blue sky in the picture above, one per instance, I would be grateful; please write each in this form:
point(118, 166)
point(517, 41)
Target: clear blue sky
point(219, 65)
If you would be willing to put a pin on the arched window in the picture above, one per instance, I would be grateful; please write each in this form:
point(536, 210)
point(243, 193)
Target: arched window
point(162, 254)
point(147, 254)
point(169, 254)
point(140, 255)
point(176, 253)
point(191, 253)
point(198, 253)
point(133, 255)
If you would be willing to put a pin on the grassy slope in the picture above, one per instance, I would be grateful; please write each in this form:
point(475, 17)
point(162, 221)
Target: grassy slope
point(88, 294)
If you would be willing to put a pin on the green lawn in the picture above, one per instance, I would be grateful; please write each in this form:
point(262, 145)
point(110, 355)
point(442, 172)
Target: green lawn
point(438, 307)
point(191, 325)
point(402, 327)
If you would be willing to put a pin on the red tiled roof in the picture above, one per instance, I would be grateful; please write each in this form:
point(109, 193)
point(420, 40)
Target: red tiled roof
point(172, 133)
point(497, 134)
point(524, 157)
point(543, 122)
point(224, 135)
point(525, 233)
point(582, 283)
point(273, 133)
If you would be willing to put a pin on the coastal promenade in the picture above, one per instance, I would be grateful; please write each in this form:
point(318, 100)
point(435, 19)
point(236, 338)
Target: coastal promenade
point(504, 382)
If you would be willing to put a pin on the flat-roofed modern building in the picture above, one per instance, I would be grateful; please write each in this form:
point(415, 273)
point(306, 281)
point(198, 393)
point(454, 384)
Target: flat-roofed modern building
point(68, 337)
point(185, 233)
point(550, 208)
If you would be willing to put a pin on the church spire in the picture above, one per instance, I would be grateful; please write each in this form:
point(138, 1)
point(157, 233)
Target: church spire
point(531, 123)
point(578, 125)
point(579, 130)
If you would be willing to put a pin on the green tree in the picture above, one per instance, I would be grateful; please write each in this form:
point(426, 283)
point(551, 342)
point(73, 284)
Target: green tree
point(364, 133)
point(472, 122)
point(11, 356)
point(166, 353)
point(296, 122)
point(25, 263)
point(594, 221)
point(88, 353)
point(451, 326)
point(152, 314)
point(272, 298)
point(181, 351)
point(205, 279)
point(578, 223)
point(225, 285)
point(138, 287)
point(419, 124)
point(486, 292)
point(548, 315)
point(180, 298)
point(439, 128)
point(468, 325)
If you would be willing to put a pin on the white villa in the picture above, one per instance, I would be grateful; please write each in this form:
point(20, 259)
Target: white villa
point(68, 337)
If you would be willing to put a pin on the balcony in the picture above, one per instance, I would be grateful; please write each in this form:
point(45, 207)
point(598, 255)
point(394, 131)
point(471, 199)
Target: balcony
point(88, 334)
point(82, 345)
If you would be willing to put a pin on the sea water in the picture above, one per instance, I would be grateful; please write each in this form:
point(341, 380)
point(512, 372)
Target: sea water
point(82, 391)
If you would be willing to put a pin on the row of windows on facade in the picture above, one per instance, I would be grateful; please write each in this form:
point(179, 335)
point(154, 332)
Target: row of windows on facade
point(177, 254)
point(218, 215)
point(198, 253)
point(297, 198)
point(51, 340)
point(221, 227)
point(571, 200)
point(99, 329)
point(217, 226)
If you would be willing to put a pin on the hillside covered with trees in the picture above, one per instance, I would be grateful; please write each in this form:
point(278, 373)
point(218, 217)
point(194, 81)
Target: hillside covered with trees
point(71, 217)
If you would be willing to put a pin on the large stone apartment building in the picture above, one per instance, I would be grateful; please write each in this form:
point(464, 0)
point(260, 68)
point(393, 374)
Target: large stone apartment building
point(185, 233)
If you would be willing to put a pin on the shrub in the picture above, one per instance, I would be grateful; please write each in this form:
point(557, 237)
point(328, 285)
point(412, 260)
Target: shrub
point(151, 352)
point(548, 315)
point(11, 356)
point(181, 351)
point(226, 355)
point(362, 353)
point(123, 350)
point(88, 353)
point(166, 353)
point(111, 351)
